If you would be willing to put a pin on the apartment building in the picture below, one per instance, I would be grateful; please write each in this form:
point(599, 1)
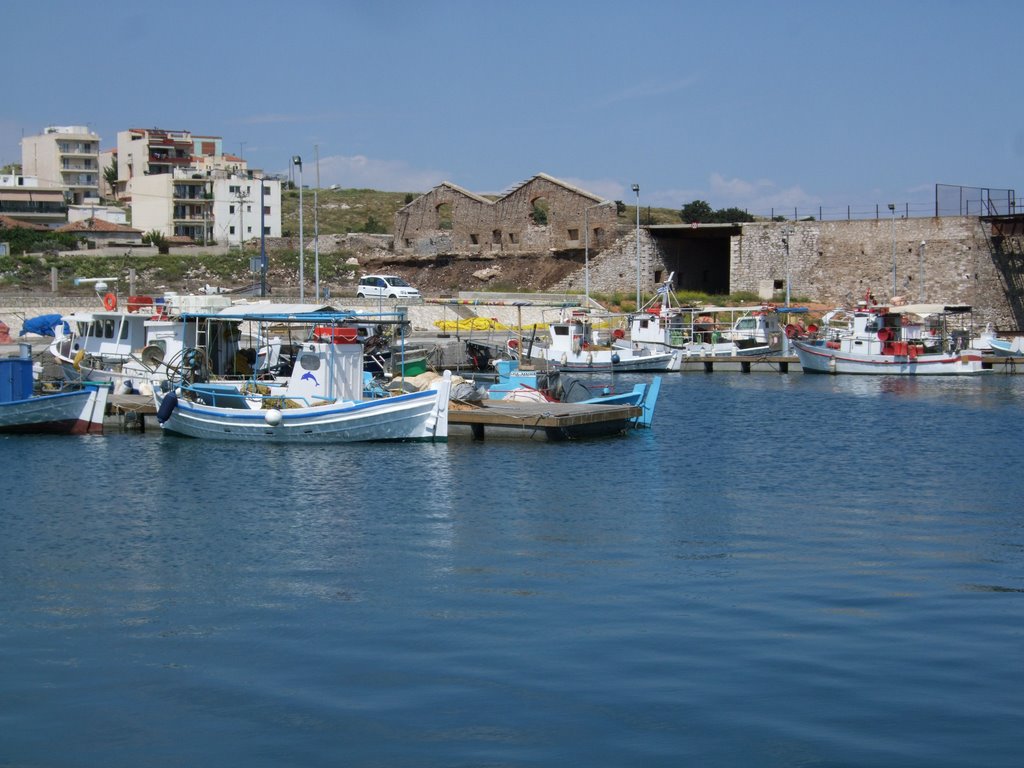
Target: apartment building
point(23, 198)
point(240, 208)
point(65, 157)
point(207, 208)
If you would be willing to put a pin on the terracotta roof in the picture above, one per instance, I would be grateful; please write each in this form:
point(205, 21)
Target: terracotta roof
point(12, 223)
point(98, 225)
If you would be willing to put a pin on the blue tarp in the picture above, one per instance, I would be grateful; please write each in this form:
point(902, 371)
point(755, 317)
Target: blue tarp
point(42, 325)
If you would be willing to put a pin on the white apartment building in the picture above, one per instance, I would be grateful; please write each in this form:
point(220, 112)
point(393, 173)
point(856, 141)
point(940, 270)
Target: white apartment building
point(65, 156)
point(208, 209)
point(238, 204)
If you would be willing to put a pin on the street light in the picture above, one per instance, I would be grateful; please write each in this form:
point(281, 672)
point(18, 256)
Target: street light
point(920, 282)
point(586, 249)
point(785, 242)
point(636, 189)
point(296, 160)
point(892, 210)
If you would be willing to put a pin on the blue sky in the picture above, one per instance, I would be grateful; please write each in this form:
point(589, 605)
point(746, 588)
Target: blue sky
point(759, 105)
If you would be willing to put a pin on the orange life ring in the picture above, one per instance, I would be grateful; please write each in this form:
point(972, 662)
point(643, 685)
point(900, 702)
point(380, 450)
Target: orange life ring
point(109, 302)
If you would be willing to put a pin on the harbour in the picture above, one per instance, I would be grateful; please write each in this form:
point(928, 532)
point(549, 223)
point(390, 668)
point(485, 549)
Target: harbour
point(677, 595)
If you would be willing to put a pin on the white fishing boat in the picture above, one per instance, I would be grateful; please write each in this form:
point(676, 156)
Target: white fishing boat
point(908, 340)
point(580, 342)
point(131, 344)
point(321, 400)
point(77, 410)
point(691, 333)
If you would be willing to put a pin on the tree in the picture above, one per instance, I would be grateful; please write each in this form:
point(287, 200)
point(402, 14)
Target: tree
point(110, 176)
point(700, 211)
point(697, 211)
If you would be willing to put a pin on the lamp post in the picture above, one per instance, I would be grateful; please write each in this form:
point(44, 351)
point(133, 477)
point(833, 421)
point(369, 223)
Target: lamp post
point(636, 189)
point(296, 160)
point(920, 281)
point(316, 224)
point(892, 211)
point(785, 242)
point(263, 238)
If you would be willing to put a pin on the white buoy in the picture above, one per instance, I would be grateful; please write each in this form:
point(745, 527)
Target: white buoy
point(273, 417)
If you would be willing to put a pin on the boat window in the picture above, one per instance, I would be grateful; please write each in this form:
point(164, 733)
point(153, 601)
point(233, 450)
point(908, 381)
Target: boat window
point(108, 329)
point(309, 362)
point(560, 330)
point(746, 324)
point(124, 331)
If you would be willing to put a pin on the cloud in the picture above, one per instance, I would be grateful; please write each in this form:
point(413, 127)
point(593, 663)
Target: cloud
point(646, 91)
point(362, 172)
point(758, 197)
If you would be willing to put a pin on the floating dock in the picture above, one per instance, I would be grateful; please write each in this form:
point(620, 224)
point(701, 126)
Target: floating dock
point(551, 421)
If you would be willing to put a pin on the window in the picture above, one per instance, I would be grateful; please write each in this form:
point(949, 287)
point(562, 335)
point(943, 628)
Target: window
point(266, 190)
point(231, 229)
point(574, 234)
point(513, 237)
point(266, 210)
point(231, 209)
point(234, 189)
point(444, 216)
point(474, 239)
point(778, 285)
point(266, 230)
point(496, 237)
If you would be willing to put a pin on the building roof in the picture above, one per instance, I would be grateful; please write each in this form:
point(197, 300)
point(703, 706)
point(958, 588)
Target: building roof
point(11, 223)
point(98, 225)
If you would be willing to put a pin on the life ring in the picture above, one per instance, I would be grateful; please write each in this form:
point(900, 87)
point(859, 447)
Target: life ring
point(109, 302)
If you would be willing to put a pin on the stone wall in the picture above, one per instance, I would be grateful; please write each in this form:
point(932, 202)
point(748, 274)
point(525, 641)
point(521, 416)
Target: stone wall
point(839, 262)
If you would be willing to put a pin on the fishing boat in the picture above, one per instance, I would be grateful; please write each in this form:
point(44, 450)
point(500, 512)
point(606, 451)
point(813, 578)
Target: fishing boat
point(320, 399)
point(127, 345)
point(580, 342)
point(702, 331)
point(908, 340)
point(75, 410)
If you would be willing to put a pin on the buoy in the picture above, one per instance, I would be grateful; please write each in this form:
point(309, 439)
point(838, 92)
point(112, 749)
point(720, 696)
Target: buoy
point(167, 406)
point(273, 417)
point(79, 357)
point(109, 302)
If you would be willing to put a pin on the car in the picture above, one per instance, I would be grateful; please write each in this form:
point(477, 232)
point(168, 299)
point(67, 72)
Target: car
point(385, 287)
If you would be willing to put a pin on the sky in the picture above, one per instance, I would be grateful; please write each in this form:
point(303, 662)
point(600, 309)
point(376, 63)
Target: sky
point(771, 107)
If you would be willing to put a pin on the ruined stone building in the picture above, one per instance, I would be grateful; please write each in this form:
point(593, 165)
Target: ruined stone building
point(539, 216)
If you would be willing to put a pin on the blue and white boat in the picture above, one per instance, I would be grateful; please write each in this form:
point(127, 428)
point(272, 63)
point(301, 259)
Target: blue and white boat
point(76, 411)
point(321, 400)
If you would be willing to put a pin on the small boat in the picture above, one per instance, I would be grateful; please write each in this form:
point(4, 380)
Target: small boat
point(1007, 347)
point(321, 400)
point(909, 340)
point(518, 384)
point(578, 344)
point(74, 411)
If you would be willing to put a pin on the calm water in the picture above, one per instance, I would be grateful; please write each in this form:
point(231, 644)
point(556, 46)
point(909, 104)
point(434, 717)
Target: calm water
point(786, 571)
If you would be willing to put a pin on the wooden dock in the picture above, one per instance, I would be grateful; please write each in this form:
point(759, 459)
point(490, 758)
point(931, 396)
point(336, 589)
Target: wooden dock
point(551, 421)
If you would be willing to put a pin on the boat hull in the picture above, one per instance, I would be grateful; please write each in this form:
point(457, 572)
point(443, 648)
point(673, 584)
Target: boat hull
point(65, 413)
point(816, 357)
point(417, 416)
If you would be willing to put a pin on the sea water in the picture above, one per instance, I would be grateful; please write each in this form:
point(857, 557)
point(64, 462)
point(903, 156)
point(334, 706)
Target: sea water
point(787, 570)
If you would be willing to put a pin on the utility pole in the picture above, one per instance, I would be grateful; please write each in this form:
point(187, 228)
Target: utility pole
point(316, 224)
point(243, 198)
